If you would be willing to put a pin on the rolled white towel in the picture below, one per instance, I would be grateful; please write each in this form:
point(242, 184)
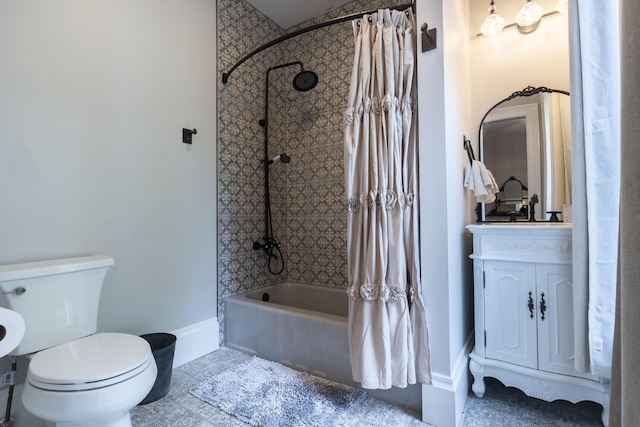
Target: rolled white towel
point(488, 180)
point(474, 180)
point(469, 184)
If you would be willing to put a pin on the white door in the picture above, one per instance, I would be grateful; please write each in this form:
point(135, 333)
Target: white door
point(555, 319)
point(510, 315)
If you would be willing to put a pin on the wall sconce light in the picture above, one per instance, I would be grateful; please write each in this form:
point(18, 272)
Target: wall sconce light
point(527, 18)
point(494, 22)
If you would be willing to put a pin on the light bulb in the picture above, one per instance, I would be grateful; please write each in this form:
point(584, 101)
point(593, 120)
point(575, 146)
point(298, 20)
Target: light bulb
point(494, 22)
point(562, 6)
point(530, 14)
point(492, 25)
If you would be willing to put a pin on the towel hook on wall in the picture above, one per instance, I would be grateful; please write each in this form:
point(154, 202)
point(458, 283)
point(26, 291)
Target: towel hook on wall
point(468, 148)
point(428, 37)
point(187, 135)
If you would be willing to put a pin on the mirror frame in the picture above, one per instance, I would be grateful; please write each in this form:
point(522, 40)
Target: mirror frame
point(526, 92)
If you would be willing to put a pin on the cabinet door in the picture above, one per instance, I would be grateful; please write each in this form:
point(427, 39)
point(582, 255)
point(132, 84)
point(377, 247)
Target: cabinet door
point(510, 325)
point(555, 324)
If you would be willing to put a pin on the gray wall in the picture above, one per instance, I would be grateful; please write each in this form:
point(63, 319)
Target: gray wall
point(94, 98)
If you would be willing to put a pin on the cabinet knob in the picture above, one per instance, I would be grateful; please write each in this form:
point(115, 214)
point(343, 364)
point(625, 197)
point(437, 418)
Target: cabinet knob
point(531, 306)
point(543, 306)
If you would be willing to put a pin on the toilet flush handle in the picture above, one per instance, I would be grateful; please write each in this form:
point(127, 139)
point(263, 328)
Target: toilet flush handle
point(17, 291)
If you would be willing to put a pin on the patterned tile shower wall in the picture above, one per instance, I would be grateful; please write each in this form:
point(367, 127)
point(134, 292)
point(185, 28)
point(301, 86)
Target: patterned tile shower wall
point(240, 148)
point(307, 195)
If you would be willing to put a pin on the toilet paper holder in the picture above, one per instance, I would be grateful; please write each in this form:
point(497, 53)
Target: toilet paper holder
point(17, 291)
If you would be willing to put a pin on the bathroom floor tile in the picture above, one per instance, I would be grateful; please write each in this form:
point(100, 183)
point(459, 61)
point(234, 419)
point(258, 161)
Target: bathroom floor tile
point(165, 412)
point(373, 412)
point(508, 406)
point(500, 405)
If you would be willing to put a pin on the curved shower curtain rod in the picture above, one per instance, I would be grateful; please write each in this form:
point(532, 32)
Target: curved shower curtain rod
point(225, 76)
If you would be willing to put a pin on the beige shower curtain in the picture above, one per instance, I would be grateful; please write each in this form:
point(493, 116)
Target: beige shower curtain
point(625, 379)
point(388, 337)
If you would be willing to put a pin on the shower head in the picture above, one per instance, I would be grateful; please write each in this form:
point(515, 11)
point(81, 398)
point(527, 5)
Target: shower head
point(305, 80)
point(282, 157)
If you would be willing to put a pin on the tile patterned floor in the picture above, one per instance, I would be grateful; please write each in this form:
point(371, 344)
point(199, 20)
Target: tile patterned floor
point(500, 406)
point(508, 406)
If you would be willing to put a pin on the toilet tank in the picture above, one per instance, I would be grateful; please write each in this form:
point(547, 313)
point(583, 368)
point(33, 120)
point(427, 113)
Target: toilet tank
point(58, 299)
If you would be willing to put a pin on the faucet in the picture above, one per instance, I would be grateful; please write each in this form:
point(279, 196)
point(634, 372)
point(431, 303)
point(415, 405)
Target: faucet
point(532, 210)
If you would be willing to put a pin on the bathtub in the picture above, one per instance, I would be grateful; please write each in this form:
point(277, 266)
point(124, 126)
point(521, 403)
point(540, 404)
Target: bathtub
point(303, 327)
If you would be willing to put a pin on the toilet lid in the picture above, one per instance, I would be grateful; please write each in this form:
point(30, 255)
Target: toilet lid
point(95, 361)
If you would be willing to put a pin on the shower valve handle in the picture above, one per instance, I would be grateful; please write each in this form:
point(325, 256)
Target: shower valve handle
point(268, 244)
point(271, 244)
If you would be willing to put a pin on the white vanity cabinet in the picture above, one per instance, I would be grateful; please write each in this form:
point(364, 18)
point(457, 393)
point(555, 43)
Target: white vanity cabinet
point(523, 299)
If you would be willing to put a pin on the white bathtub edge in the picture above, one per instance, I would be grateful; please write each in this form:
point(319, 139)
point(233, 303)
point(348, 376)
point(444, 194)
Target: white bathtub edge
point(242, 299)
point(196, 340)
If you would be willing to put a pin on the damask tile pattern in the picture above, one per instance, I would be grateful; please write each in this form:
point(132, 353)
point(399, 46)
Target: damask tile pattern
point(240, 148)
point(307, 195)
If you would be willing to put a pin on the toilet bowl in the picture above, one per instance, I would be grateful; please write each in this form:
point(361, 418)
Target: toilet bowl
point(93, 381)
point(76, 377)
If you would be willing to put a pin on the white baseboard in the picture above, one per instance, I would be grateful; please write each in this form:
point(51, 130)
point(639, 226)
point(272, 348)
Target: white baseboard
point(462, 377)
point(443, 401)
point(195, 341)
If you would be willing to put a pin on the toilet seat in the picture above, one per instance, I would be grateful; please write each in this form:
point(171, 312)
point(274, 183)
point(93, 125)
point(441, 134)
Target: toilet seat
point(89, 363)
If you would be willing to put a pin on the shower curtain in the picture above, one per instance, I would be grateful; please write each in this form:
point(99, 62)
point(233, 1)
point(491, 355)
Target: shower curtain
point(388, 337)
point(625, 370)
point(595, 116)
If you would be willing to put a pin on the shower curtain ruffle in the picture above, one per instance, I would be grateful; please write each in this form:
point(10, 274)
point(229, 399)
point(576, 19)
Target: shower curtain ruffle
point(389, 103)
point(388, 336)
point(372, 291)
point(373, 199)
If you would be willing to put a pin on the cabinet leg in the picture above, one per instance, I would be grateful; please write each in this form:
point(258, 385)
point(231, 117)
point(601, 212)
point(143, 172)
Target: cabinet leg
point(477, 371)
point(478, 386)
point(605, 413)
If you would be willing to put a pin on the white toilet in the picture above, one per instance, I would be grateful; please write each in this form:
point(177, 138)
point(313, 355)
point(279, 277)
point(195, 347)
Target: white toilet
point(76, 377)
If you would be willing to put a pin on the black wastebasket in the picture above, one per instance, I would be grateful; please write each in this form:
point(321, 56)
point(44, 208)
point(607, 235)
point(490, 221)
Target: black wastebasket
point(163, 346)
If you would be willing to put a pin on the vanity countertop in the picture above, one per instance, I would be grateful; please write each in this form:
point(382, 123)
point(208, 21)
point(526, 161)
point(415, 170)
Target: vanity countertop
point(548, 242)
point(519, 225)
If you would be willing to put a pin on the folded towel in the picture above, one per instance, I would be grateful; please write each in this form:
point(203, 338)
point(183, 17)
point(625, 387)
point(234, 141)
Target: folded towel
point(473, 181)
point(488, 180)
point(481, 181)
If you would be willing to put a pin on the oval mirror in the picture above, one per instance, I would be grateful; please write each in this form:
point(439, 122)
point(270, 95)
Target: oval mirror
point(525, 141)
